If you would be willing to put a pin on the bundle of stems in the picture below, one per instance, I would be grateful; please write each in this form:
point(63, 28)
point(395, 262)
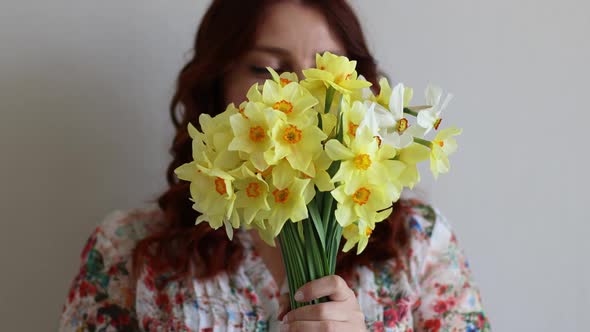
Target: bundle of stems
point(310, 247)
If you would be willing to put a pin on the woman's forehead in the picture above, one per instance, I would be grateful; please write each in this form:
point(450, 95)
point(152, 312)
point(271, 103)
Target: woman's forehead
point(295, 30)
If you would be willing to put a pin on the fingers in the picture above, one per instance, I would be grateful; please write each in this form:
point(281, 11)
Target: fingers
point(332, 286)
point(336, 311)
point(284, 305)
point(327, 326)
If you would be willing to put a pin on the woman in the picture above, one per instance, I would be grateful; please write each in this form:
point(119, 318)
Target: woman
point(153, 270)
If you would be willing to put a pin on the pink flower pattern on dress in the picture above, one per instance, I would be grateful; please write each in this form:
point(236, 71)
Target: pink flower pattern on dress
point(434, 292)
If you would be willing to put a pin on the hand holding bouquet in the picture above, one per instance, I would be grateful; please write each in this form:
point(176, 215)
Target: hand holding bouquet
point(312, 161)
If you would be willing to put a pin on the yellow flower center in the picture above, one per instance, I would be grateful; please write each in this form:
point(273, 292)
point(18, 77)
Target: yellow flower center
point(437, 123)
point(368, 231)
point(352, 129)
point(257, 134)
point(402, 125)
point(292, 134)
point(285, 81)
point(281, 196)
point(220, 186)
point(440, 143)
point(361, 196)
point(253, 189)
point(283, 106)
point(362, 161)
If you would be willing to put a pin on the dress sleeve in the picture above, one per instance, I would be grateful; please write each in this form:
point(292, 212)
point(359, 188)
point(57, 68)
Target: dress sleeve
point(101, 297)
point(449, 300)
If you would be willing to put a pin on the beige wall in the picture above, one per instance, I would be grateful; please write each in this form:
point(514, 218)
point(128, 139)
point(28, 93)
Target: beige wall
point(84, 130)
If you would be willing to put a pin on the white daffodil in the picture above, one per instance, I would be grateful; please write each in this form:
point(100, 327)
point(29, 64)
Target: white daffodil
point(384, 125)
point(430, 118)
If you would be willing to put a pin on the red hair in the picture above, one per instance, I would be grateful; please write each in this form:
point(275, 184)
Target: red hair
point(180, 244)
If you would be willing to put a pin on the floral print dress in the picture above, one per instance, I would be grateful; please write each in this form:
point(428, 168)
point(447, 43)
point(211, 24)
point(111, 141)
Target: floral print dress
point(435, 292)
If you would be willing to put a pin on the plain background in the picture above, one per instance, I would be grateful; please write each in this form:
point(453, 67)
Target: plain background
point(84, 130)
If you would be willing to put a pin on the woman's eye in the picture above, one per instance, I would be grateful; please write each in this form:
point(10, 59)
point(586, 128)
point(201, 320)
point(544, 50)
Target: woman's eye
point(257, 70)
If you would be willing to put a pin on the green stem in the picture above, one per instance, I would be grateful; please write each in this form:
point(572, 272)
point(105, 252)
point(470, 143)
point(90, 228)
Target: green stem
point(409, 111)
point(294, 261)
point(329, 97)
point(424, 142)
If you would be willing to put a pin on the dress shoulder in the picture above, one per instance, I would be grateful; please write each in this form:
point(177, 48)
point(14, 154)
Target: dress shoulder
point(448, 296)
point(101, 296)
point(120, 230)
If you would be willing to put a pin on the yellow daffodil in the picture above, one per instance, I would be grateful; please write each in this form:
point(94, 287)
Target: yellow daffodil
point(356, 233)
point(213, 195)
point(251, 130)
point(213, 141)
point(251, 193)
point(253, 95)
point(322, 179)
point(369, 202)
point(337, 72)
point(443, 145)
point(286, 203)
point(352, 117)
point(298, 141)
point(385, 92)
point(364, 161)
point(363, 94)
point(411, 156)
point(284, 78)
point(291, 100)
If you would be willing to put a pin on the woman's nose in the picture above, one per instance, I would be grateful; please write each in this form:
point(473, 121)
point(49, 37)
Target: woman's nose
point(301, 65)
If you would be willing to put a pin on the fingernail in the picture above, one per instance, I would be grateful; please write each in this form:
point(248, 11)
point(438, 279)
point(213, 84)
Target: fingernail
point(299, 296)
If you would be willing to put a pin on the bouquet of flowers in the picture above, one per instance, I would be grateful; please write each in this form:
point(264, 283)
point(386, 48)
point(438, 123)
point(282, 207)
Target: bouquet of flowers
point(312, 161)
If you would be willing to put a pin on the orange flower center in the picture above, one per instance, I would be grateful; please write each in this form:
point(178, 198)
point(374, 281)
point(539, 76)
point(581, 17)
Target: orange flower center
point(440, 143)
point(352, 129)
point(220, 186)
point(437, 123)
point(285, 81)
point(305, 176)
point(266, 172)
point(253, 189)
point(361, 196)
point(281, 196)
point(379, 141)
point(257, 134)
point(343, 77)
point(368, 231)
point(241, 111)
point(283, 106)
point(402, 125)
point(292, 134)
point(362, 161)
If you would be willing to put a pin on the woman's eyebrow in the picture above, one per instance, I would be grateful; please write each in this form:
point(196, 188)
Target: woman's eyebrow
point(272, 49)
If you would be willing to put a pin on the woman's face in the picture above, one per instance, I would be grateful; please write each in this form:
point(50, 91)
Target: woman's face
point(288, 39)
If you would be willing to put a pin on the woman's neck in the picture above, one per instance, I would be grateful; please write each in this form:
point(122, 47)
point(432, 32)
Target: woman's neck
point(271, 256)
